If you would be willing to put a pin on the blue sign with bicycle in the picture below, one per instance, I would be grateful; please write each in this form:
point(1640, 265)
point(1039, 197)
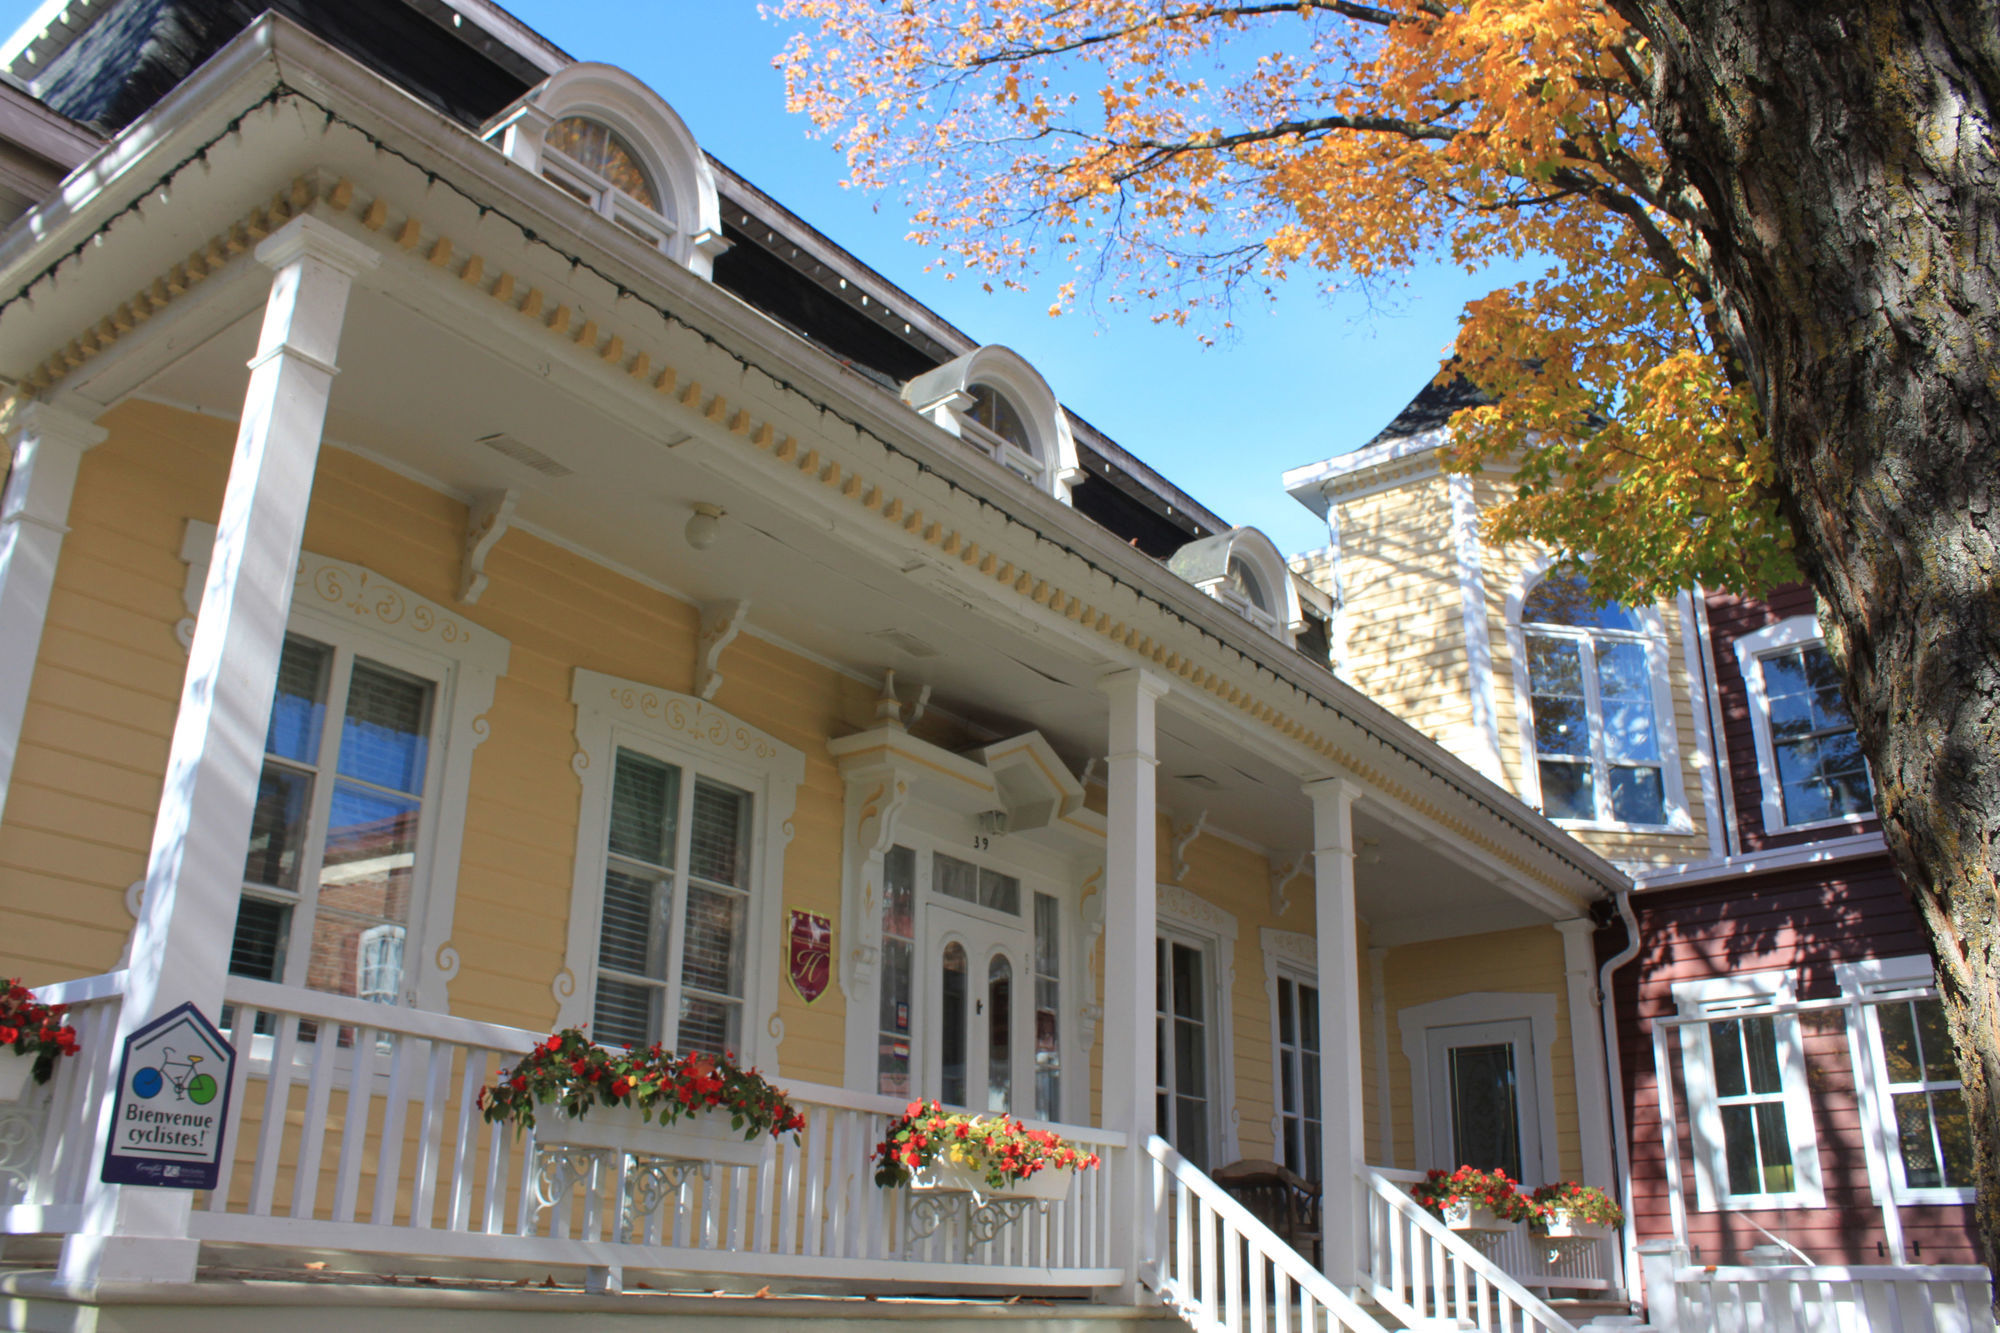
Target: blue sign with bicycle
point(172, 1107)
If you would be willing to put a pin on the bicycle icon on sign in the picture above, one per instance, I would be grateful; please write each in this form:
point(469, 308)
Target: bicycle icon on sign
point(189, 1084)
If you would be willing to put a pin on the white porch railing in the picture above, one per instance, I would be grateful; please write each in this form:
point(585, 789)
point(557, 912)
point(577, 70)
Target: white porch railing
point(354, 1127)
point(1420, 1270)
point(1224, 1271)
point(1939, 1299)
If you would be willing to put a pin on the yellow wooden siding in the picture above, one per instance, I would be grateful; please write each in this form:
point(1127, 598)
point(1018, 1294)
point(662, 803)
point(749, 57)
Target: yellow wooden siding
point(1526, 961)
point(1401, 615)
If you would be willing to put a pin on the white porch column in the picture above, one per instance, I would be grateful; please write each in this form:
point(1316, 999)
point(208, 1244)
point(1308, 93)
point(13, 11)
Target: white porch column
point(180, 946)
point(1586, 1045)
point(1343, 1149)
point(1130, 935)
point(34, 514)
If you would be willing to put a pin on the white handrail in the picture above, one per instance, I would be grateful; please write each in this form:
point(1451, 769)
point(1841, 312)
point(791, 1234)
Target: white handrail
point(1943, 1298)
point(1206, 1223)
point(1420, 1269)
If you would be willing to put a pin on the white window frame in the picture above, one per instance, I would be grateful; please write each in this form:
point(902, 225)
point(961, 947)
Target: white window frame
point(1190, 919)
point(701, 740)
point(650, 226)
point(1293, 956)
point(1866, 986)
point(355, 608)
point(1653, 638)
point(1751, 649)
point(1747, 995)
point(1433, 1105)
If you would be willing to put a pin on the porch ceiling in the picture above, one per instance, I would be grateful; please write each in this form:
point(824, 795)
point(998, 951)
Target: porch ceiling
point(420, 397)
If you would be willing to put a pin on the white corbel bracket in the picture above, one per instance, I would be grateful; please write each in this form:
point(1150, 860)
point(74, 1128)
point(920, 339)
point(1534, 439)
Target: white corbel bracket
point(1185, 832)
point(1281, 882)
point(721, 622)
point(485, 523)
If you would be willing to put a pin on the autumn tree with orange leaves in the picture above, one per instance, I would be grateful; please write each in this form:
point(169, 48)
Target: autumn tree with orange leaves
point(1767, 342)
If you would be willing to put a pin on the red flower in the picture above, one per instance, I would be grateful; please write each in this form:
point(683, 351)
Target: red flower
point(520, 1082)
point(620, 1086)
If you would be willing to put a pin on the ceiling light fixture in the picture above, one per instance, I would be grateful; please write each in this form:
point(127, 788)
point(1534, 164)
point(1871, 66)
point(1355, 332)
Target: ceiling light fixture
point(705, 526)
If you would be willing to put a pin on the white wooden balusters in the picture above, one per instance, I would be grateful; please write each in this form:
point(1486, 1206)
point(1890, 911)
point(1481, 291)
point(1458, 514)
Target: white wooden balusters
point(355, 1127)
point(1226, 1272)
point(1421, 1270)
point(1799, 1299)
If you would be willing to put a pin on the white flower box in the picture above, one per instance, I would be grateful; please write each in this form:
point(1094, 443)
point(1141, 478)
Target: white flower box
point(705, 1136)
point(17, 1075)
point(1561, 1224)
point(1049, 1184)
point(1463, 1215)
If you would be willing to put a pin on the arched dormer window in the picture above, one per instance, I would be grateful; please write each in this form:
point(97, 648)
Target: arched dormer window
point(996, 402)
point(600, 135)
point(1243, 570)
point(1595, 678)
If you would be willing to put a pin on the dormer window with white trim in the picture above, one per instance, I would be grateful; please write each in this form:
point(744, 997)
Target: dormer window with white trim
point(1243, 570)
point(996, 402)
point(994, 422)
point(597, 165)
point(605, 138)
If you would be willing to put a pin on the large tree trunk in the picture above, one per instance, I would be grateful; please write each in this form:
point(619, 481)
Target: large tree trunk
point(1845, 152)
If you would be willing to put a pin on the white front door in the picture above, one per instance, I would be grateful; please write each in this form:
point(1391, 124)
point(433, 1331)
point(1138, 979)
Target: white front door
point(1482, 1086)
point(978, 987)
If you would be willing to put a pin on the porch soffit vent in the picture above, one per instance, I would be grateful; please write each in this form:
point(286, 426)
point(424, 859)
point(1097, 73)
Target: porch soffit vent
point(525, 454)
point(907, 642)
point(1201, 780)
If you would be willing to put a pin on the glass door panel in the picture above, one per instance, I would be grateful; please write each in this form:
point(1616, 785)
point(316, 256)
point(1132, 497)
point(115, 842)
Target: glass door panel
point(1181, 1050)
point(1483, 1102)
point(979, 1052)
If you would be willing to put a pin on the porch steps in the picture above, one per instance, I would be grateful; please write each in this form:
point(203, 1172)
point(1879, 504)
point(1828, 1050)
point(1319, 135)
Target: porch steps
point(33, 1301)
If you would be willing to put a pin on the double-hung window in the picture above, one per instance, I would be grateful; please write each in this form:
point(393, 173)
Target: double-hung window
point(1809, 756)
point(1909, 1081)
point(672, 932)
point(1593, 684)
point(340, 824)
point(1298, 1076)
point(1755, 1145)
point(680, 860)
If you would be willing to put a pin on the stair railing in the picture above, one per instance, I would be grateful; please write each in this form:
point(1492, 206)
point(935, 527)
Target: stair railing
point(1223, 1271)
point(1422, 1271)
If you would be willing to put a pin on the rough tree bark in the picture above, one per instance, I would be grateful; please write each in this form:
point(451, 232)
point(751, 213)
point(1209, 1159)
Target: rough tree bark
point(1844, 154)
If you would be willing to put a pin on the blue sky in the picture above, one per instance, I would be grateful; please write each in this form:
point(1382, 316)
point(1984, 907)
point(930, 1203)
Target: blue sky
point(1296, 383)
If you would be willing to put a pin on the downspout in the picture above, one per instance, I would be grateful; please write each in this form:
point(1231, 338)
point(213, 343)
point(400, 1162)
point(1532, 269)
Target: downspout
point(1614, 1071)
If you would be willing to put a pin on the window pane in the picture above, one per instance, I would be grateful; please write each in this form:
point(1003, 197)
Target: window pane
point(1954, 1136)
point(1622, 672)
point(1554, 668)
point(1638, 796)
point(605, 152)
point(371, 853)
point(385, 737)
point(1561, 726)
point(708, 1025)
point(381, 965)
point(1726, 1044)
point(628, 934)
point(720, 848)
point(278, 827)
point(1565, 600)
point(1485, 1115)
point(1190, 1059)
point(951, 1024)
point(1775, 1147)
point(1287, 1027)
point(1000, 892)
point(1568, 791)
point(298, 710)
point(1760, 1048)
point(999, 1033)
point(626, 1013)
point(1048, 1050)
point(1739, 1149)
point(259, 947)
point(1048, 936)
point(899, 884)
point(1187, 982)
point(1939, 1064)
point(645, 801)
point(712, 956)
point(1899, 1043)
point(895, 1016)
point(954, 878)
point(1913, 1135)
point(1309, 1018)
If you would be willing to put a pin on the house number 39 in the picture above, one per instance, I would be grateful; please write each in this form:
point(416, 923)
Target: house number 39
point(980, 842)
